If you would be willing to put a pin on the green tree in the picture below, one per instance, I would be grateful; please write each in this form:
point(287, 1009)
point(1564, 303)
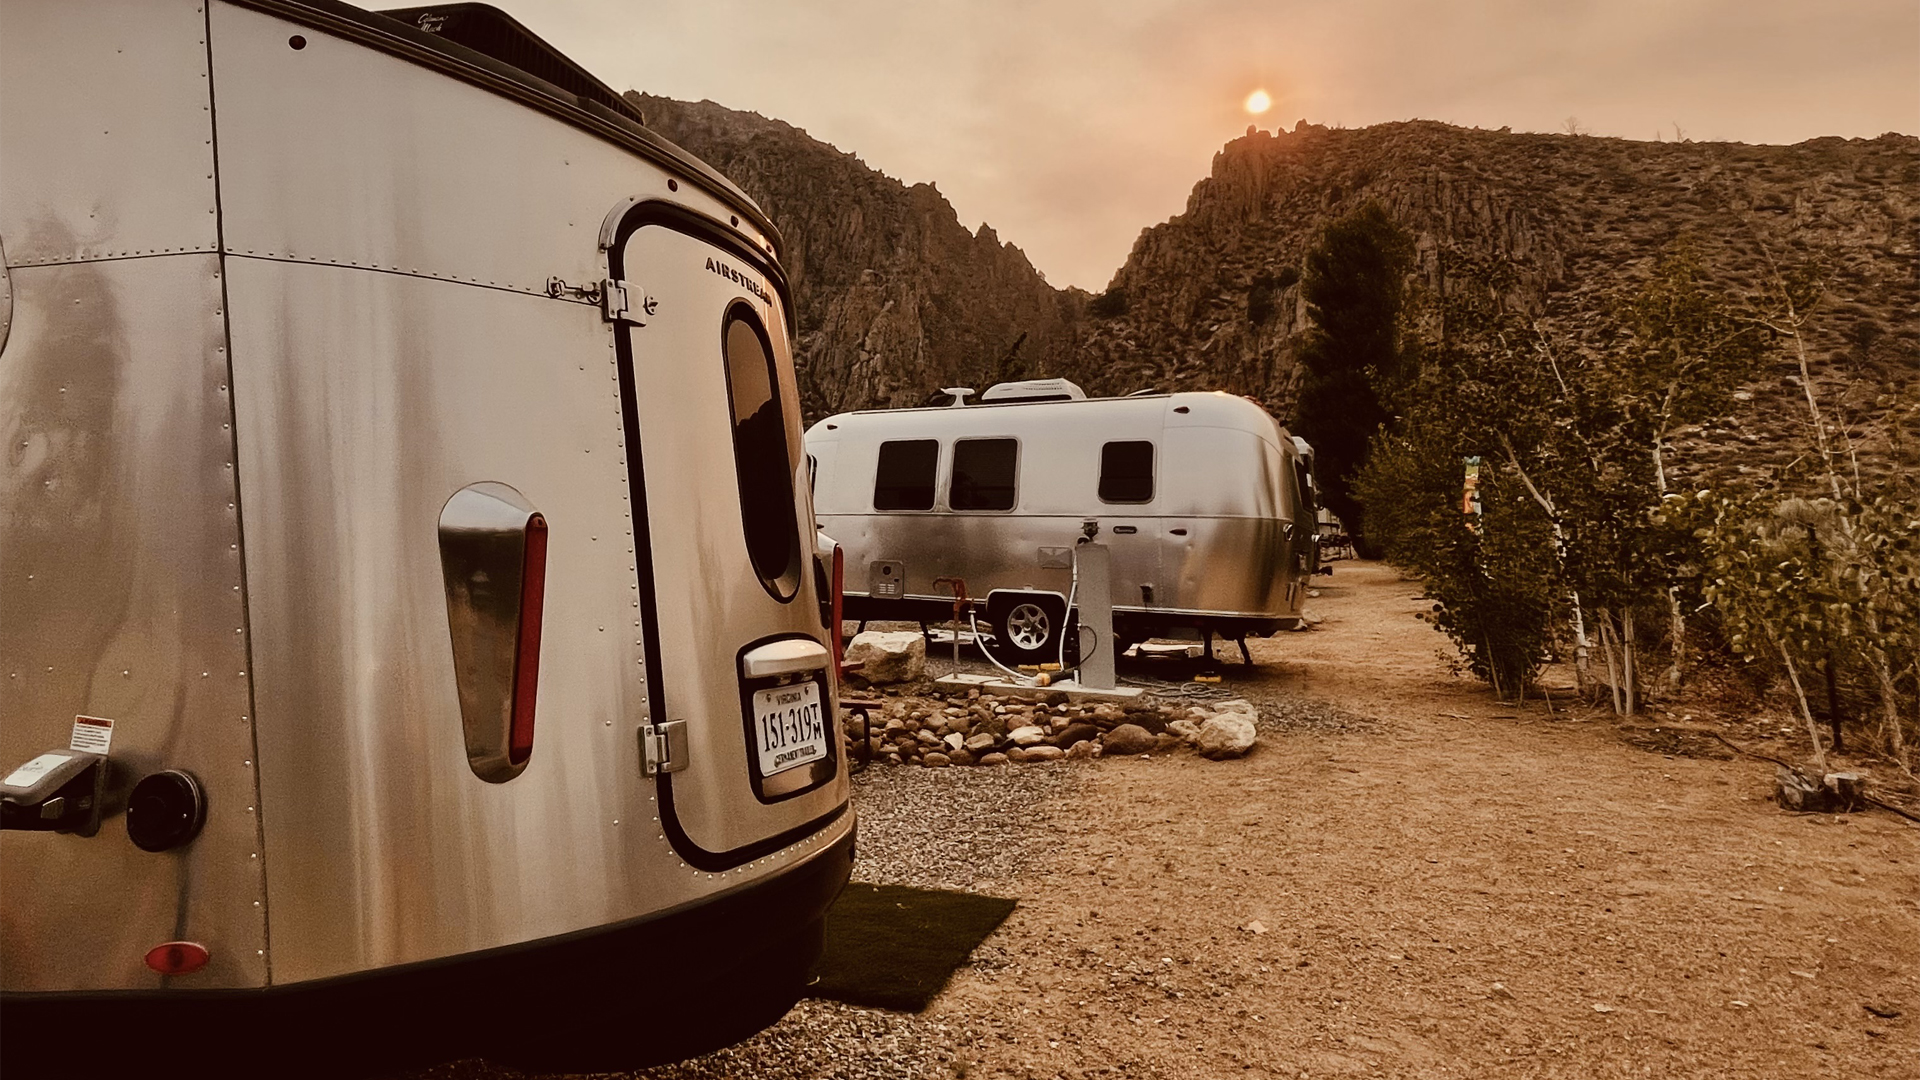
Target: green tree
point(1355, 286)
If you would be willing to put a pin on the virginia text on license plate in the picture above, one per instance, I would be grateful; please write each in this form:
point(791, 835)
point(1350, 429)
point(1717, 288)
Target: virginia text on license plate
point(791, 726)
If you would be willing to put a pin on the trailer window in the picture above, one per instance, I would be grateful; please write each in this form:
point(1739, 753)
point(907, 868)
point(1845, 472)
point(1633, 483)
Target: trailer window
point(983, 474)
point(904, 479)
point(1126, 472)
point(761, 454)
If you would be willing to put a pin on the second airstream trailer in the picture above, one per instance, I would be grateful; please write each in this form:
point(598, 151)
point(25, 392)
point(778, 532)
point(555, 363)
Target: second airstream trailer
point(412, 627)
point(1204, 500)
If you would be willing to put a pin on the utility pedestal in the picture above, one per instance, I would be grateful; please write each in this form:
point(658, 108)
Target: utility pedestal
point(1093, 595)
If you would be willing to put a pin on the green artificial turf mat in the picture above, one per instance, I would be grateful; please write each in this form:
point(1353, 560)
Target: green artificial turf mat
point(893, 947)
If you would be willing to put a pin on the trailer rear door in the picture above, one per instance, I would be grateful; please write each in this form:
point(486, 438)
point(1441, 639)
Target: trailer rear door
point(725, 587)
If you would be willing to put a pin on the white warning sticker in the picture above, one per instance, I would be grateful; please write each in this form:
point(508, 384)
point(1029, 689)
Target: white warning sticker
point(92, 734)
point(25, 775)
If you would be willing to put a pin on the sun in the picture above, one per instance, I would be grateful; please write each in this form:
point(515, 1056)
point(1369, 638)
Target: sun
point(1258, 102)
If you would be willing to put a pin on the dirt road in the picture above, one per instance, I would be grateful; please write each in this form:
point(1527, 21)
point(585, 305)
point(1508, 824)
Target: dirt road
point(1461, 888)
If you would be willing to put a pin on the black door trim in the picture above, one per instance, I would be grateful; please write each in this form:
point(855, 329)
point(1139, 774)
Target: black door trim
point(681, 220)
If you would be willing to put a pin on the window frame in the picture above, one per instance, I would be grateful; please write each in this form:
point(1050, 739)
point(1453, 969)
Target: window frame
point(1153, 473)
point(784, 586)
point(933, 479)
point(953, 470)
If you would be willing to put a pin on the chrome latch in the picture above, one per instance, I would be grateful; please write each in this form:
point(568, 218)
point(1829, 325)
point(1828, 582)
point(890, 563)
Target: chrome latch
point(663, 747)
point(559, 289)
point(617, 303)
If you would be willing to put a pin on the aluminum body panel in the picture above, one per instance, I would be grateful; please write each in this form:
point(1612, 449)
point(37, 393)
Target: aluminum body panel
point(1225, 533)
point(315, 143)
point(120, 597)
point(710, 604)
point(383, 846)
point(105, 135)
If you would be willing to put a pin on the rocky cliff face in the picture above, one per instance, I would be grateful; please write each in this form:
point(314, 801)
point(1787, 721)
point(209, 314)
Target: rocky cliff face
point(895, 297)
point(1211, 298)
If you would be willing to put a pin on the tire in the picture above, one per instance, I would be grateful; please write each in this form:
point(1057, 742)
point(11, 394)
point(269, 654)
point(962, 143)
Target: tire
point(1027, 627)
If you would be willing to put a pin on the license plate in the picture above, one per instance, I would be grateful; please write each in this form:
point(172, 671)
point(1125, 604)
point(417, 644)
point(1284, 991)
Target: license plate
point(792, 727)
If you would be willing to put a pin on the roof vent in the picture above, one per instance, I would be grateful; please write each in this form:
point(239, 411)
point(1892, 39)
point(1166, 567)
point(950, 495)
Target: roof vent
point(1033, 390)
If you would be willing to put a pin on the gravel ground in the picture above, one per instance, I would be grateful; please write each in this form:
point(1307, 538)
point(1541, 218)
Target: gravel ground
point(971, 829)
point(953, 828)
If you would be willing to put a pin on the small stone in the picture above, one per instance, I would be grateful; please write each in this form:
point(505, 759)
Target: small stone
point(961, 757)
point(1027, 736)
point(1108, 716)
point(927, 738)
point(1045, 753)
point(1084, 751)
point(1255, 926)
point(895, 725)
point(1227, 735)
point(993, 759)
point(1129, 739)
point(1500, 990)
point(1164, 742)
point(1016, 754)
point(1599, 1008)
point(1185, 729)
point(979, 742)
point(935, 761)
point(953, 741)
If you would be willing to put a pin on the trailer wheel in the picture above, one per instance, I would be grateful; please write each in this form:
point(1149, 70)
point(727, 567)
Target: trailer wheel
point(1027, 627)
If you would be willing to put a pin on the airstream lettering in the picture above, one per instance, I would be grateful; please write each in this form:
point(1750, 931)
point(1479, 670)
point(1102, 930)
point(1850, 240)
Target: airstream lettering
point(461, 633)
point(1204, 500)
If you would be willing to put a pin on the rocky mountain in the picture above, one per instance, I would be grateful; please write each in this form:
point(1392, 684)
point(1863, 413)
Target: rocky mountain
point(895, 297)
point(1211, 298)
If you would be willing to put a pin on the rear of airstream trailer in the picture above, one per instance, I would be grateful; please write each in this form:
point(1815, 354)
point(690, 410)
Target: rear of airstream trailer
point(411, 618)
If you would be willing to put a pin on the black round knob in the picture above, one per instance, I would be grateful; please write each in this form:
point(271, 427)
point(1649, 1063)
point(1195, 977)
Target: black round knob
point(165, 810)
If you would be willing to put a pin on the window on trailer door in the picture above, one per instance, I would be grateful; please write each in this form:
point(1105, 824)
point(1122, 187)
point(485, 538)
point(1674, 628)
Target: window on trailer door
point(984, 472)
point(762, 456)
point(1126, 472)
point(903, 480)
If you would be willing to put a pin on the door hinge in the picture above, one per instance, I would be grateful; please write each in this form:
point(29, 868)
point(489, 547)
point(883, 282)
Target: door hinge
point(663, 747)
point(624, 302)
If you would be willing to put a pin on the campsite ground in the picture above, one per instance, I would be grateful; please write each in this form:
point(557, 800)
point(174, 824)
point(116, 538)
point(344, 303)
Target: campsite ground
point(1463, 887)
point(1452, 886)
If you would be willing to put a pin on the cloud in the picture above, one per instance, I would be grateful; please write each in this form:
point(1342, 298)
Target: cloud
point(1071, 125)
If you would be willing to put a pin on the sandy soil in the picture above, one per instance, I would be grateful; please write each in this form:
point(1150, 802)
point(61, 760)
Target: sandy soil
point(1464, 887)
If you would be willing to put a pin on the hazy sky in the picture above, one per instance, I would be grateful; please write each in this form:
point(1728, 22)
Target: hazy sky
point(1070, 126)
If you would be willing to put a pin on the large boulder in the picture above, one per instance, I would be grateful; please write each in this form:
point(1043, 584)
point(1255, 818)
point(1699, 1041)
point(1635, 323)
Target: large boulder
point(1225, 735)
point(888, 656)
point(1128, 739)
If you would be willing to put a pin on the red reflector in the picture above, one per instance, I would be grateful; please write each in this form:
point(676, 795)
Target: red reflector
point(839, 602)
point(177, 958)
point(526, 661)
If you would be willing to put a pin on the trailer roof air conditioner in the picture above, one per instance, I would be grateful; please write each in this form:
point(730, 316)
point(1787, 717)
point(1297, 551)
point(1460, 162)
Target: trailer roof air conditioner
point(1033, 390)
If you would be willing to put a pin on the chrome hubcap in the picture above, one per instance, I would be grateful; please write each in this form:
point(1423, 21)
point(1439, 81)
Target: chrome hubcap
point(1028, 626)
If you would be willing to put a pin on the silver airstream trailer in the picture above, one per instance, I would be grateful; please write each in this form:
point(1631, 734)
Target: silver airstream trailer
point(1205, 502)
point(412, 628)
